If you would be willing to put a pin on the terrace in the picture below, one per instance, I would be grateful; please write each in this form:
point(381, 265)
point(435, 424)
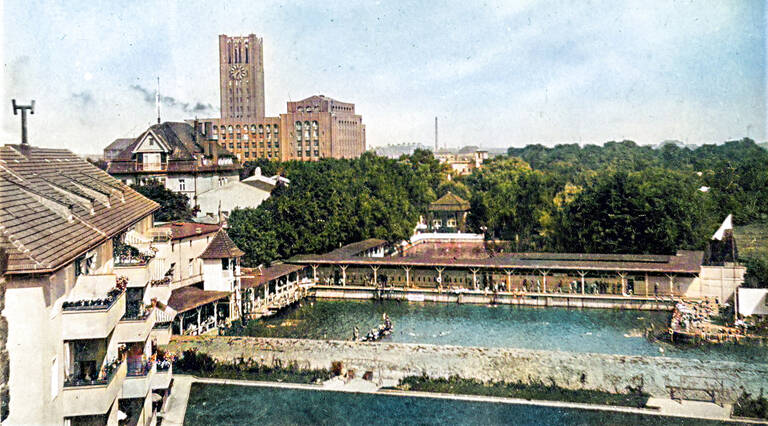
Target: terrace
point(93, 307)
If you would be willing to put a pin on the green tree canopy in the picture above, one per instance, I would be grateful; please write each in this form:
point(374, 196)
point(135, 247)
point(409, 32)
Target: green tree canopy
point(173, 206)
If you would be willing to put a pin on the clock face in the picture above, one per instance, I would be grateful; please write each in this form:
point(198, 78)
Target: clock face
point(238, 72)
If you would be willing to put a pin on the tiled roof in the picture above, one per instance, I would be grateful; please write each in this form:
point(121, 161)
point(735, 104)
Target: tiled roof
point(685, 261)
point(252, 279)
point(450, 201)
point(187, 298)
point(181, 230)
point(220, 247)
point(119, 144)
point(187, 147)
point(54, 206)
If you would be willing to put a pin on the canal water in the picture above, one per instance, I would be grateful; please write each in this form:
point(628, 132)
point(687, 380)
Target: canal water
point(573, 330)
point(227, 404)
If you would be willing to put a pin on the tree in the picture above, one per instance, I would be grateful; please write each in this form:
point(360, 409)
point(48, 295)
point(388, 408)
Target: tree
point(173, 206)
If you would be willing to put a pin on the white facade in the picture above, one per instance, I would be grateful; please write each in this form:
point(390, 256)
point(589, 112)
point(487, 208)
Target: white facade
point(52, 347)
point(753, 301)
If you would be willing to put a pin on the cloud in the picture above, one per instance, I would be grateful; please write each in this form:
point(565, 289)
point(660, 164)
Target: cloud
point(170, 101)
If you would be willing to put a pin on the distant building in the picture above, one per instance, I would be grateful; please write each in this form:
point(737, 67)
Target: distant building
point(241, 78)
point(462, 162)
point(248, 193)
point(448, 214)
point(314, 128)
point(115, 148)
point(178, 157)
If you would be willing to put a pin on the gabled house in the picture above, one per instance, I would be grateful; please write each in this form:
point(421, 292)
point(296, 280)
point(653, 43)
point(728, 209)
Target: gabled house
point(177, 156)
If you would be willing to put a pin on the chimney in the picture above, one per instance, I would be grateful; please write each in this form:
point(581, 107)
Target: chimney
point(196, 127)
point(207, 148)
point(23, 108)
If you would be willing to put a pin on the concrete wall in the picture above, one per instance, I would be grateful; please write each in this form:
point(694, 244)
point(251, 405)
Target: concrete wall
point(753, 301)
point(611, 373)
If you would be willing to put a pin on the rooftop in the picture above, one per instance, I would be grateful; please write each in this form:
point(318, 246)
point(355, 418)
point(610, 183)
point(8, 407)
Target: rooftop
point(55, 206)
point(252, 279)
point(221, 247)
point(188, 298)
point(181, 230)
point(468, 256)
point(449, 201)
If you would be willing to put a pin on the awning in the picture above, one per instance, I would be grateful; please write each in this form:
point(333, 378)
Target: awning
point(188, 298)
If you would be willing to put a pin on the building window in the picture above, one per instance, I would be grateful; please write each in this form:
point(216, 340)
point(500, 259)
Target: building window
point(239, 145)
point(231, 145)
point(191, 267)
point(436, 223)
point(182, 185)
point(317, 153)
point(225, 264)
point(275, 127)
point(451, 223)
point(247, 154)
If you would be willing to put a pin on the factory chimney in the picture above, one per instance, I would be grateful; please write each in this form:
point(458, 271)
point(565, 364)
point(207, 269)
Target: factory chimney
point(436, 145)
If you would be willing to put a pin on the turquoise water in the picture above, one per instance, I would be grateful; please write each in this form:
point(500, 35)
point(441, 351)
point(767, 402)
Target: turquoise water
point(574, 330)
point(227, 405)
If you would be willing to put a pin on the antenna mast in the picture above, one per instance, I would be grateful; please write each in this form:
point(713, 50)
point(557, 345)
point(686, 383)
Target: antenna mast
point(157, 99)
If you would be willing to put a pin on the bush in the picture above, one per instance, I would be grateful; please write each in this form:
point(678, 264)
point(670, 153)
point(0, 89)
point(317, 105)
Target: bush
point(746, 406)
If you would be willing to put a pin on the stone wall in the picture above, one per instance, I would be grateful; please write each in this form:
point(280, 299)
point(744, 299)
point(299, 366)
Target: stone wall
point(611, 373)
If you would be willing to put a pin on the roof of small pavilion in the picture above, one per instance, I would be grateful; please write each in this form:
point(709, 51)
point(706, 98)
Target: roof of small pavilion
point(684, 261)
point(349, 250)
point(253, 278)
point(221, 247)
point(449, 202)
point(188, 298)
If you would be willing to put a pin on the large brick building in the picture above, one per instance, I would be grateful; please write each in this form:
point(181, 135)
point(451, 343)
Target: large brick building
point(313, 128)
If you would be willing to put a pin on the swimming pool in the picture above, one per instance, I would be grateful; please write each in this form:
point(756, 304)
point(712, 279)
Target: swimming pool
point(573, 330)
point(229, 404)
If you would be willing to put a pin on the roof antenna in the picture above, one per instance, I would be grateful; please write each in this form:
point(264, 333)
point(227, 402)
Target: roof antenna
point(23, 109)
point(157, 99)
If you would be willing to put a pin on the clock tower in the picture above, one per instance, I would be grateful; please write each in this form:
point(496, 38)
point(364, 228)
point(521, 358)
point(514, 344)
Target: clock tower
point(241, 77)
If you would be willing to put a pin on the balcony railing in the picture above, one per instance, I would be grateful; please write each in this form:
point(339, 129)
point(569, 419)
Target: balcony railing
point(139, 368)
point(99, 303)
point(108, 372)
point(136, 313)
point(151, 167)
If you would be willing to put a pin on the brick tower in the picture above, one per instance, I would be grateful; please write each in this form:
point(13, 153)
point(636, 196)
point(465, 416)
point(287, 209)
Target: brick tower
point(241, 72)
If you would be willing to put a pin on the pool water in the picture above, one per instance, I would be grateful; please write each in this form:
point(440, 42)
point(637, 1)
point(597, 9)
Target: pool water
point(227, 404)
point(573, 330)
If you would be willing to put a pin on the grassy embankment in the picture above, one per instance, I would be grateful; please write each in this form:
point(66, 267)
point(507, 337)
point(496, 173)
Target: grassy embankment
point(531, 391)
point(203, 365)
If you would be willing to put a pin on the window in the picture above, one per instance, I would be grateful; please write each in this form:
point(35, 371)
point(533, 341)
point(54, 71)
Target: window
point(317, 153)
point(182, 185)
point(437, 223)
point(451, 223)
point(225, 264)
point(191, 267)
point(247, 154)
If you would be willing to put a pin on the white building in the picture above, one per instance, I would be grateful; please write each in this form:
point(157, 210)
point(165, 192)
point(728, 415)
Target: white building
point(82, 266)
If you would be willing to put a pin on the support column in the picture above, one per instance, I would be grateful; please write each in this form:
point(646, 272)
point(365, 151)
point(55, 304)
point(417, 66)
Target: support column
point(314, 272)
point(440, 276)
point(344, 274)
point(509, 278)
point(646, 283)
point(623, 276)
point(671, 284)
point(474, 276)
point(407, 275)
point(582, 274)
point(375, 275)
point(198, 319)
point(544, 281)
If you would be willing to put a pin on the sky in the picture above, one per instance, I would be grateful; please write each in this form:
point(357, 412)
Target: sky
point(497, 74)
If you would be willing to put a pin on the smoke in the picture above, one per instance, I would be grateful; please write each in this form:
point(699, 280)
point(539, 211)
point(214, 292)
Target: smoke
point(170, 101)
point(84, 98)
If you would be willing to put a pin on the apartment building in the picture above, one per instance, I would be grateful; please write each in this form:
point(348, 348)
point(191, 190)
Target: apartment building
point(84, 272)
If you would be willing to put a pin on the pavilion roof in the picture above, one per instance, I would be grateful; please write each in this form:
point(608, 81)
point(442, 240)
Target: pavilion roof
point(187, 298)
point(684, 261)
point(253, 279)
point(449, 202)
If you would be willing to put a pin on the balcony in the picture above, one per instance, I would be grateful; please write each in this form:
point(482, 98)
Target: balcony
point(93, 397)
point(138, 379)
point(151, 167)
point(91, 312)
point(163, 375)
point(135, 326)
